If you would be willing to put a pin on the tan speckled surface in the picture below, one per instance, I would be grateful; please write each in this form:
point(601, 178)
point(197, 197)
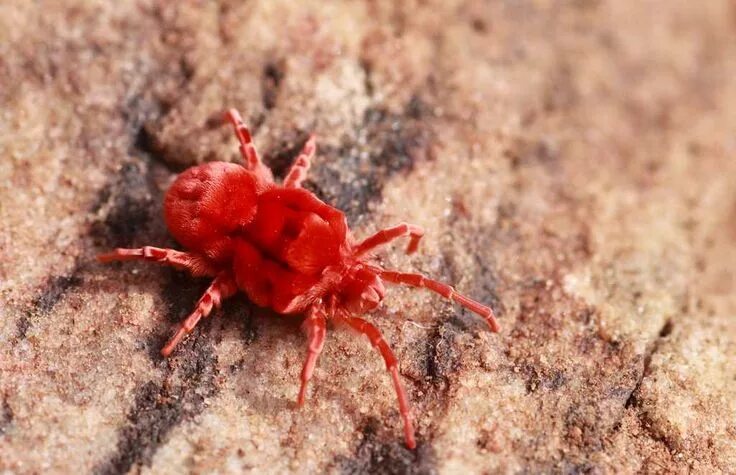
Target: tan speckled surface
point(574, 164)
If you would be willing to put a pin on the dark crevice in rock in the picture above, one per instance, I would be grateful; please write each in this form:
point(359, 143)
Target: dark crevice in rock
point(181, 293)
point(138, 110)
point(161, 81)
point(190, 375)
point(374, 456)
point(579, 468)
point(538, 378)
point(666, 329)
point(6, 416)
point(646, 361)
point(352, 175)
point(134, 195)
point(280, 158)
point(482, 286)
point(190, 378)
point(54, 290)
point(441, 355)
point(144, 145)
point(238, 310)
point(271, 78)
point(142, 113)
point(22, 326)
point(50, 294)
point(651, 427)
point(486, 283)
point(441, 362)
point(367, 68)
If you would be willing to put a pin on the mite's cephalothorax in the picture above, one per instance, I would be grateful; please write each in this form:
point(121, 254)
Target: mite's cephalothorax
point(285, 249)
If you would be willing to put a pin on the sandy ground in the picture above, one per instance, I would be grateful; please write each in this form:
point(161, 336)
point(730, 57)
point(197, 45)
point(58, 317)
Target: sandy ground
point(573, 164)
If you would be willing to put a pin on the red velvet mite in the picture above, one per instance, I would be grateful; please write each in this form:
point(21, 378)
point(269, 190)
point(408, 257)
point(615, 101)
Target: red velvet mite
point(285, 249)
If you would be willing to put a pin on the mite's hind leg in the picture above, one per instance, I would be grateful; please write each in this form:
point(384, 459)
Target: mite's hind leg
point(298, 171)
point(315, 326)
point(196, 265)
point(448, 292)
point(384, 236)
point(221, 288)
point(247, 147)
point(376, 339)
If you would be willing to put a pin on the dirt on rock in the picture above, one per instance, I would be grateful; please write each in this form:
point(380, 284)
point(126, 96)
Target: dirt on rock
point(573, 163)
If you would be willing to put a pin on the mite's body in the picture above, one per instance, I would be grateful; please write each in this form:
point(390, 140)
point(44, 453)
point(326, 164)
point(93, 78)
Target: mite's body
point(285, 249)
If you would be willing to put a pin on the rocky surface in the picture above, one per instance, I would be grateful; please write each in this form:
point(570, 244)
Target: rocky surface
point(572, 162)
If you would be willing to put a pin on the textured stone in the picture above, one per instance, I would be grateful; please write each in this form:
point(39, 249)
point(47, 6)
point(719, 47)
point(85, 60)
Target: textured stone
point(572, 162)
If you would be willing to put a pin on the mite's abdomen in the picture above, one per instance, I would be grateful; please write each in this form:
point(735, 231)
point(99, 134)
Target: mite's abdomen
point(209, 204)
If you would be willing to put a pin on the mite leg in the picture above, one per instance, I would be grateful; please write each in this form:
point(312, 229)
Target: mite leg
point(418, 280)
point(221, 288)
point(247, 148)
point(298, 171)
point(384, 236)
point(376, 339)
point(315, 327)
point(196, 265)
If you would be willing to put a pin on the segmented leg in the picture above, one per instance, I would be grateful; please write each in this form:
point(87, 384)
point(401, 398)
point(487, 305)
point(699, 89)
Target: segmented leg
point(247, 148)
point(196, 265)
point(221, 288)
point(298, 171)
point(384, 236)
point(315, 326)
point(418, 280)
point(376, 339)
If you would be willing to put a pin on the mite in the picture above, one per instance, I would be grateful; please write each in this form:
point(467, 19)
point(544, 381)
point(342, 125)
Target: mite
point(286, 250)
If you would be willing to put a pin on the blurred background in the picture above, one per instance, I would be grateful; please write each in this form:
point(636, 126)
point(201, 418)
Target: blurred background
point(572, 163)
